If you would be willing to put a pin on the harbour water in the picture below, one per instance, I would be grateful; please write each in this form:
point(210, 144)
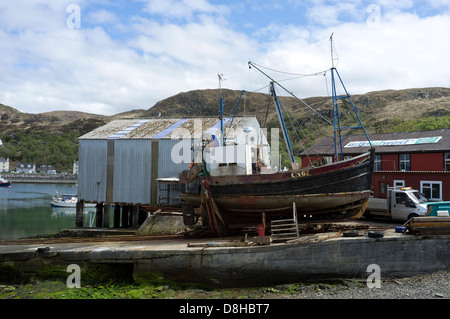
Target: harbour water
point(25, 210)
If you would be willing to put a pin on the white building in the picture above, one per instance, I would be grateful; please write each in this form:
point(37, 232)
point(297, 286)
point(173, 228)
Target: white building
point(4, 165)
point(75, 168)
point(26, 168)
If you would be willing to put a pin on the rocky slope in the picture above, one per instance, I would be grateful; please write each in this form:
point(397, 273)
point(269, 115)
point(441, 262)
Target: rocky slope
point(375, 108)
point(380, 111)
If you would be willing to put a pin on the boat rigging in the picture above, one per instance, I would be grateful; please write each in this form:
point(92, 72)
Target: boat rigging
point(335, 77)
point(227, 200)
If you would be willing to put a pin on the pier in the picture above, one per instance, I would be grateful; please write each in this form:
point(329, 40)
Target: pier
point(227, 262)
point(39, 178)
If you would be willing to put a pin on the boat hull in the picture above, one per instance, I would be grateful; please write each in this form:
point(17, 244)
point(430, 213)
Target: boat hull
point(242, 211)
point(335, 191)
point(70, 205)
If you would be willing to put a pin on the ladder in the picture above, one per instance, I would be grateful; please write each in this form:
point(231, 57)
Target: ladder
point(283, 230)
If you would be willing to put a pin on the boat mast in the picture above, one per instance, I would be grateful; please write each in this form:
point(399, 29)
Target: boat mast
point(221, 107)
point(283, 126)
point(234, 115)
point(336, 119)
point(336, 122)
point(280, 115)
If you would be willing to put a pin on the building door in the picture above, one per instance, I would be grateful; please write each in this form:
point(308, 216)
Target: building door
point(383, 189)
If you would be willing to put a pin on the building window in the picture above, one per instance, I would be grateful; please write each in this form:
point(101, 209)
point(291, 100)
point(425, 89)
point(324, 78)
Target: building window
point(377, 163)
point(405, 162)
point(399, 183)
point(447, 162)
point(431, 190)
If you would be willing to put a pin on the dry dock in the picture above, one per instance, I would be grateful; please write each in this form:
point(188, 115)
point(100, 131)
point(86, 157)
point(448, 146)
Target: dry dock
point(227, 261)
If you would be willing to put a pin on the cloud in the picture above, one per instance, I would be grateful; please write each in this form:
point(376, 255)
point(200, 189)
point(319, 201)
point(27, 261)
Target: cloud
point(124, 58)
point(183, 9)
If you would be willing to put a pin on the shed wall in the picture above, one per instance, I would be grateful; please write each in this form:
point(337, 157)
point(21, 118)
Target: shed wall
point(92, 170)
point(132, 169)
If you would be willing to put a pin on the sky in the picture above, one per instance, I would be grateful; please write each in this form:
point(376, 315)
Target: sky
point(111, 56)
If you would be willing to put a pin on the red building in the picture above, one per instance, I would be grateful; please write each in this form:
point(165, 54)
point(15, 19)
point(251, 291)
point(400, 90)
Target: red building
point(420, 160)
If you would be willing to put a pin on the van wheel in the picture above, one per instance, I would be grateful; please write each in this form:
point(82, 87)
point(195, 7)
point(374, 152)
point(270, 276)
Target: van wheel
point(412, 215)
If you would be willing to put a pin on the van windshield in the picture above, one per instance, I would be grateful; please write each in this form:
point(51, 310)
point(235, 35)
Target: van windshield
point(419, 197)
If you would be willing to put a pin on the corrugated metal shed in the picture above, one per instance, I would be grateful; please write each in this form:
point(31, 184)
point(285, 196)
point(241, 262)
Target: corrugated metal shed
point(168, 128)
point(92, 170)
point(121, 161)
point(439, 144)
point(132, 160)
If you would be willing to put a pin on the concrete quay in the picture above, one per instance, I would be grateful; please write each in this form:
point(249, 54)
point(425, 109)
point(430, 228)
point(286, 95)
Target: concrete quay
point(228, 262)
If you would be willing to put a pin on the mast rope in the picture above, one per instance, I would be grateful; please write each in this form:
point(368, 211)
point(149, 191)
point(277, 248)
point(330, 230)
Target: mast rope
point(297, 75)
point(285, 110)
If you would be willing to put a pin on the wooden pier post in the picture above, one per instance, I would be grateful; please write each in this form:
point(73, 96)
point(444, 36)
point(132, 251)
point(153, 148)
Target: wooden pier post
point(134, 216)
point(116, 216)
point(125, 211)
point(79, 214)
point(99, 215)
point(106, 215)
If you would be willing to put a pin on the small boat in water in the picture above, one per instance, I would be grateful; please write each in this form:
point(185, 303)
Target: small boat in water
point(4, 182)
point(69, 201)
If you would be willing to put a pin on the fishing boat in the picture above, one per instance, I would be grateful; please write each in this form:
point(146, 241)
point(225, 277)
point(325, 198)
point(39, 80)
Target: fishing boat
point(67, 201)
point(337, 190)
point(4, 182)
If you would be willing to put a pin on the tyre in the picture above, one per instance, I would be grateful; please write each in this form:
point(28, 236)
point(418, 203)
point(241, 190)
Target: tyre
point(375, 234)
point(350, 233)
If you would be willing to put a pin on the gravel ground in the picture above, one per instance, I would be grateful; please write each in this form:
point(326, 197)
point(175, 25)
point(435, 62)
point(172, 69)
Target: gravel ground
point(430, 286)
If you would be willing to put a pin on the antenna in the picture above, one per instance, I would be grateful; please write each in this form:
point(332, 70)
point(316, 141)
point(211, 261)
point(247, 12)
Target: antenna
point(221, 78)
point(221, 75)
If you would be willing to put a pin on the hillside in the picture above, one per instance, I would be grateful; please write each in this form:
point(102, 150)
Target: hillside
point(51, 138)
point(380, 111)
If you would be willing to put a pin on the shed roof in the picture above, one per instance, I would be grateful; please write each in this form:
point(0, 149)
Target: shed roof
point(175, 128)
point(401, 142)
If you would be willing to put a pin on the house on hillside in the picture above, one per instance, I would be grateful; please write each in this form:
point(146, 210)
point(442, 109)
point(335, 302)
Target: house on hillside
point(420, 160)
point(26, 168)
point(75, 168)
point(47, 169)
point(4, 165)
